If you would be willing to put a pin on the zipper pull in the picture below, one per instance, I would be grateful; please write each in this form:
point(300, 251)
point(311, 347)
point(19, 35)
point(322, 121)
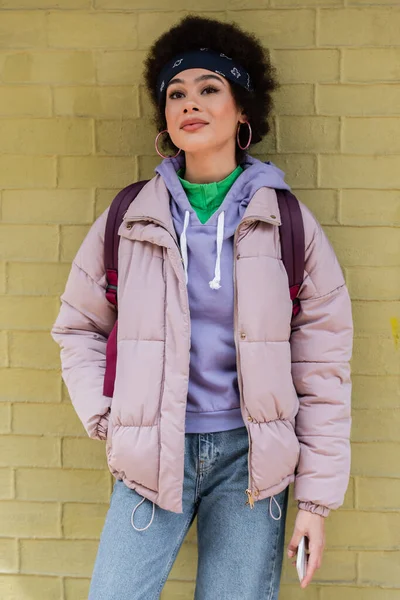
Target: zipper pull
point(250, 499)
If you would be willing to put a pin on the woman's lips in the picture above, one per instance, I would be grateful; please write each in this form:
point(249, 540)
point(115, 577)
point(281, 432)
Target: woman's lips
point(193, 126)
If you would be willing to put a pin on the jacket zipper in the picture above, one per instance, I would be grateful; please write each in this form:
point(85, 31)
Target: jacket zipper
point(249, 491)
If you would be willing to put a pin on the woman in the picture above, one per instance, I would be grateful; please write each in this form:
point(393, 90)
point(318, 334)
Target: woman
point(218, 396)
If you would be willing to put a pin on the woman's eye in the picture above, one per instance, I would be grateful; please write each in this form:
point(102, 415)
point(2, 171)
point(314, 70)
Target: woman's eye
point(209, 88)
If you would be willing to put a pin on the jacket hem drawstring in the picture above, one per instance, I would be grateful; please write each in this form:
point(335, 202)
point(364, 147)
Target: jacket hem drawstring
point(133, 514)
point(272, 499)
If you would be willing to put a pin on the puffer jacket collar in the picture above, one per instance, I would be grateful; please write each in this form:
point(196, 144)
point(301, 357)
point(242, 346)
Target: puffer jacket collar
point(152, 204)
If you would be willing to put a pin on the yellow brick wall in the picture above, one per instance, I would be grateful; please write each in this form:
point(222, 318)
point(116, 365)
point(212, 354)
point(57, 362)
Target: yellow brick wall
point(74, 128)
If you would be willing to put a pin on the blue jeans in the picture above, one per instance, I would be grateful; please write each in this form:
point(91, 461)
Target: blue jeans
point(240, 550)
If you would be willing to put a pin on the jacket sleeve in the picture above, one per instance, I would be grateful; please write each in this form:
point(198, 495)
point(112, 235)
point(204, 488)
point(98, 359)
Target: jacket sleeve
point(82, 327)
point(321, 346)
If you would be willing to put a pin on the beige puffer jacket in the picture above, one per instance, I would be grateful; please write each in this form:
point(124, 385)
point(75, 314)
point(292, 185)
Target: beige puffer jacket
point(295, 386)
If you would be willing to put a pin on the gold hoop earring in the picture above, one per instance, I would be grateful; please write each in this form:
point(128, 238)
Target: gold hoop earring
point(237, 136)
point(156, 145)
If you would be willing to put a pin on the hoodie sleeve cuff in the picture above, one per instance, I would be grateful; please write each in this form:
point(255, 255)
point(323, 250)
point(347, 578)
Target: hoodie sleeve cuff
point(316, 509)
point(102, 426)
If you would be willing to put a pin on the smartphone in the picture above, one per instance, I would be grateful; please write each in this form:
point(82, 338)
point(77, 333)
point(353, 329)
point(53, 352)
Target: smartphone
point(302, 558)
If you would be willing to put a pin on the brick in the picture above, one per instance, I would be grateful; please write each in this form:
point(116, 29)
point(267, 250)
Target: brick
point(373, 318)
point(20, 29)
point(380, 568)
point(23, 101)
point(2, 277)
point(376, 392)
point(103, 201)
point(360, 136)
point(336, 566)
point(304, 3)
point(178, 590)
point(24, 385)
point(30, 519)
point(376, 172)
point(4, 358)
point(24, 350)
point(153, 4)
point(72, 237)
point(46, 419)
point(323, 203)
point(8, 556)
point(37, 279)
point(184, 567)
point(372, 64)
point(6, 484)
point(308, 134)
point(376, 425)
point(372, 2)
point(377, 207)
point(124, 138)
point(76, 589)
point(5, 418)
point(83, 521)
point(46, 136)
point(359, 246)
point(29, 451)
point(359, 27)
point(307, 66)
point(349, 499)
point(100, 102)
point(376, 459)
point(359, 593)
point(26, 313)
point(92, 30)
point(294, 100)
point(300, 169)
point(378, 494)
point(53, 206)
point(27, 172)
point(375, 357)
point(61, 485)
point(58, 557)
point(123, 67)
point(83, 454)
point(96, 171)
point(49, 67)
point(33, 587)
point(294, 592)
point(279, 29)
point(364, 530)
point(358, 100)
point(374, 283)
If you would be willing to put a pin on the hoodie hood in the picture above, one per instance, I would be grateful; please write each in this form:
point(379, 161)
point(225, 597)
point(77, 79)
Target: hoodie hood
point(256, 174)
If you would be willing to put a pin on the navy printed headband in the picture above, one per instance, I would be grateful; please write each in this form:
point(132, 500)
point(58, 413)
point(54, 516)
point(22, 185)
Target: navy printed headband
point(203, 59)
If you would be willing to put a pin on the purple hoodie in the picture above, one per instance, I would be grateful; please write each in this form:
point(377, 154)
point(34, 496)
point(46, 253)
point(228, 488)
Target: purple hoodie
point(213, 402)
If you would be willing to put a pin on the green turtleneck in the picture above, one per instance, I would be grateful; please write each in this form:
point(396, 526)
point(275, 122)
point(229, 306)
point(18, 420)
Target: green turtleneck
point(206, 198)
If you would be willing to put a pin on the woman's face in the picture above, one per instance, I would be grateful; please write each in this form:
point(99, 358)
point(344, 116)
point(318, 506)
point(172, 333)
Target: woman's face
point(205, 96)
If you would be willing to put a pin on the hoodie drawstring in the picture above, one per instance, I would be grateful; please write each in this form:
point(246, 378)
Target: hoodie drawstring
point(183, 244)
point(215, 284)
point(272, 498)
point(133, 513)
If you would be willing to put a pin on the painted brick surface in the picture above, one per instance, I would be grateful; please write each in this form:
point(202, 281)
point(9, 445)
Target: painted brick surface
point(75, 127)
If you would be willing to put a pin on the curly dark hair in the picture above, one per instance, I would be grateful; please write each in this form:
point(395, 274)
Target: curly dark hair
point(194, 32)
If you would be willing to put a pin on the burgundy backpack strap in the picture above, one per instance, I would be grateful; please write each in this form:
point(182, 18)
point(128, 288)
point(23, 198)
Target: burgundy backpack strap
point(292, 243)
point(118, 208)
